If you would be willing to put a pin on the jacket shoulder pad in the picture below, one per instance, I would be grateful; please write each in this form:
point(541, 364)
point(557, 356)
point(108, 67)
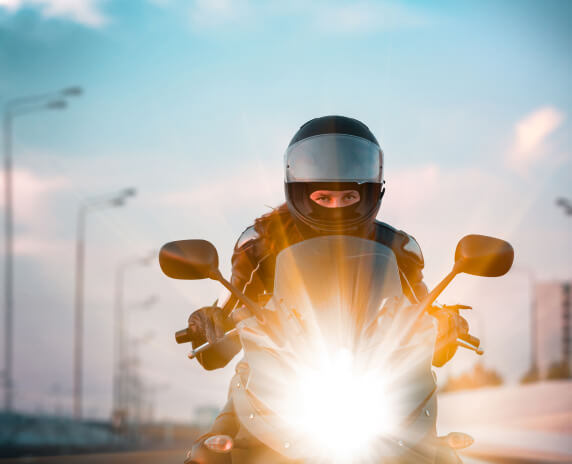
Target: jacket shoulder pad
point(403, 245)
point(248, 237)
point(412, 249)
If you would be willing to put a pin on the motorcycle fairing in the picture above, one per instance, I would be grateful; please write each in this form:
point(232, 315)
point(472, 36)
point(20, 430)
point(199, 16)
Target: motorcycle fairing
point(332, 292)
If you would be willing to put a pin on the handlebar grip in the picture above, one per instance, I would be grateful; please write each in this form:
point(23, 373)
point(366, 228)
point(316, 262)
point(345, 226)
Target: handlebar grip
point(205, 346)
point(182, 336)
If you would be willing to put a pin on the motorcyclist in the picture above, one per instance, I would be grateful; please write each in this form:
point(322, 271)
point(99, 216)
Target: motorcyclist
point(333, 185)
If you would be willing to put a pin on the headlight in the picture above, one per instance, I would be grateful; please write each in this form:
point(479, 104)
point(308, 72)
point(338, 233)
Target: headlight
point(341, 411)
point(330, 395)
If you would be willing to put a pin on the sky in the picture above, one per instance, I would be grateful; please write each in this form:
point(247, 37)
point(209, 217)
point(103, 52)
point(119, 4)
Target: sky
point(193, 104)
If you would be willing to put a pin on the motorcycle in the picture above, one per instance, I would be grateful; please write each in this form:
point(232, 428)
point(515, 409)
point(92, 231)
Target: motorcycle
point(337, 362)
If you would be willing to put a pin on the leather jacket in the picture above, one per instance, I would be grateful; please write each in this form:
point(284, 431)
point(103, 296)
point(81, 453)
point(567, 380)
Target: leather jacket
point(254, 260)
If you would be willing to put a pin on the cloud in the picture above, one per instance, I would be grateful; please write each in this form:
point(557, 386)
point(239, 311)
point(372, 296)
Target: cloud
point(241, 189)
point(208, 13)
point(530, 136)
point(438, 205)
point(366, 17)
point(27, 245)
point(161, 3)
point(413, 185)
point(30, 195)
point(332, 17)
point(348, 18)
point(86, 12)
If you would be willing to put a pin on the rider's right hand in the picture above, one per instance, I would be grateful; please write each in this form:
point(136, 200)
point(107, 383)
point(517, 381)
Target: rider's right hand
point(206, 324)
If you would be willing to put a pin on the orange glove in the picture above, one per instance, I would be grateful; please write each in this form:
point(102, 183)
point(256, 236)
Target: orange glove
point(450, 326)
point(206, 324)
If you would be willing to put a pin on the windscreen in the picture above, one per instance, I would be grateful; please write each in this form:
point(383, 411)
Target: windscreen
point(340, 281)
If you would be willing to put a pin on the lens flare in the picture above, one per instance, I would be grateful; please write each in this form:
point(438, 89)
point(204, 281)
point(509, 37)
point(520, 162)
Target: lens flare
point(349, 381)
point(341, 410)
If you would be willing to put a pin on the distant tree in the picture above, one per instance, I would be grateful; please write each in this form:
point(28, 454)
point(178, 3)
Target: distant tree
point(531, 376)
point(478, 377)
point(558, 370)
point(205, 415)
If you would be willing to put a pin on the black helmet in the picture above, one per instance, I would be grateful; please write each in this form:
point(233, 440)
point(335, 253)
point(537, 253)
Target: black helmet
point(334, 153)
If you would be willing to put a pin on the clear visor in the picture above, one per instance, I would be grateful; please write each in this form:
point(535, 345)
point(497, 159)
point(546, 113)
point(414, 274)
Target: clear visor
point(334, 158)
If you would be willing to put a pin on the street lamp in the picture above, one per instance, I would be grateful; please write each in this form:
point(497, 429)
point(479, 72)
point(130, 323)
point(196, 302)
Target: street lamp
point(150, 393)
point(118, 394)
point(98, 203)
point(147, 303)
point(13, 108)
point(133, 382)
point(565, 204)
point(74, 91)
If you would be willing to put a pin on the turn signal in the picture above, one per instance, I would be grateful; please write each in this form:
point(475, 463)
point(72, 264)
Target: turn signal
point(219, 443)
point(459, 440)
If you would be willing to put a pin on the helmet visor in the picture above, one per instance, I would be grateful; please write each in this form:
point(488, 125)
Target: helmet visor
point(334, 158)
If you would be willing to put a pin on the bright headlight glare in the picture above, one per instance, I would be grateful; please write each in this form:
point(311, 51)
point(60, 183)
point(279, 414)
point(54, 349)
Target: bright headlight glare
point(340, 410)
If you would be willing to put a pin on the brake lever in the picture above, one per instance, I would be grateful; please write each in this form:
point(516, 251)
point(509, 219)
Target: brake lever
point(456, 307)
point(266, 319)
point(442, 307)
point(205, 346)
point(469, 346)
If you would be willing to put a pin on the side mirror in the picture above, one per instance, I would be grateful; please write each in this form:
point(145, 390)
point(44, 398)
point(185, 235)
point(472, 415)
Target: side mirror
point(477, 255)
point(189, 260)
point(483, 256)
point(198, 259)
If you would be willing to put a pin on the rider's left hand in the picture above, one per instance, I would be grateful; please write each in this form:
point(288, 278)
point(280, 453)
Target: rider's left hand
point(450, 326)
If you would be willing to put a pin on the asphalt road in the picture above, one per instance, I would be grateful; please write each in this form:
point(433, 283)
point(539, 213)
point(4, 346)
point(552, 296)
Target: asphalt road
point(143, 457)
point(178, 456)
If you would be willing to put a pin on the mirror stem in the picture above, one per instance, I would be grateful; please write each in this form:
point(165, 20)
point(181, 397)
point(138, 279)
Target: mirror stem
point(426, 303)
point(256, 309)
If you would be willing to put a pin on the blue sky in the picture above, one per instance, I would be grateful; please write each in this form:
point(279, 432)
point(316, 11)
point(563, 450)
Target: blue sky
point(193, 103)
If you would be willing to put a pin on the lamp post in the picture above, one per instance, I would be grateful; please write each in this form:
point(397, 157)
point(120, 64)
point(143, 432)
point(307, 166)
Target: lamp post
point(133, 383)
point(565, 204)
point(110, 201)
point(151, 393)
point(119, 396)
point(147, 302)
point(16, 107)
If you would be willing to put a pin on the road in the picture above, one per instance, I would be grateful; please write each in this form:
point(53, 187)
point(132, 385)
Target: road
point(144, 457)
point(178, 456)
point(510, 424)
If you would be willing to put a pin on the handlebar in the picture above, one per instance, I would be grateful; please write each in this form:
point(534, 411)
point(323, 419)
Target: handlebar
point(465, 341)
point(205, 346)
point(183, 336)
